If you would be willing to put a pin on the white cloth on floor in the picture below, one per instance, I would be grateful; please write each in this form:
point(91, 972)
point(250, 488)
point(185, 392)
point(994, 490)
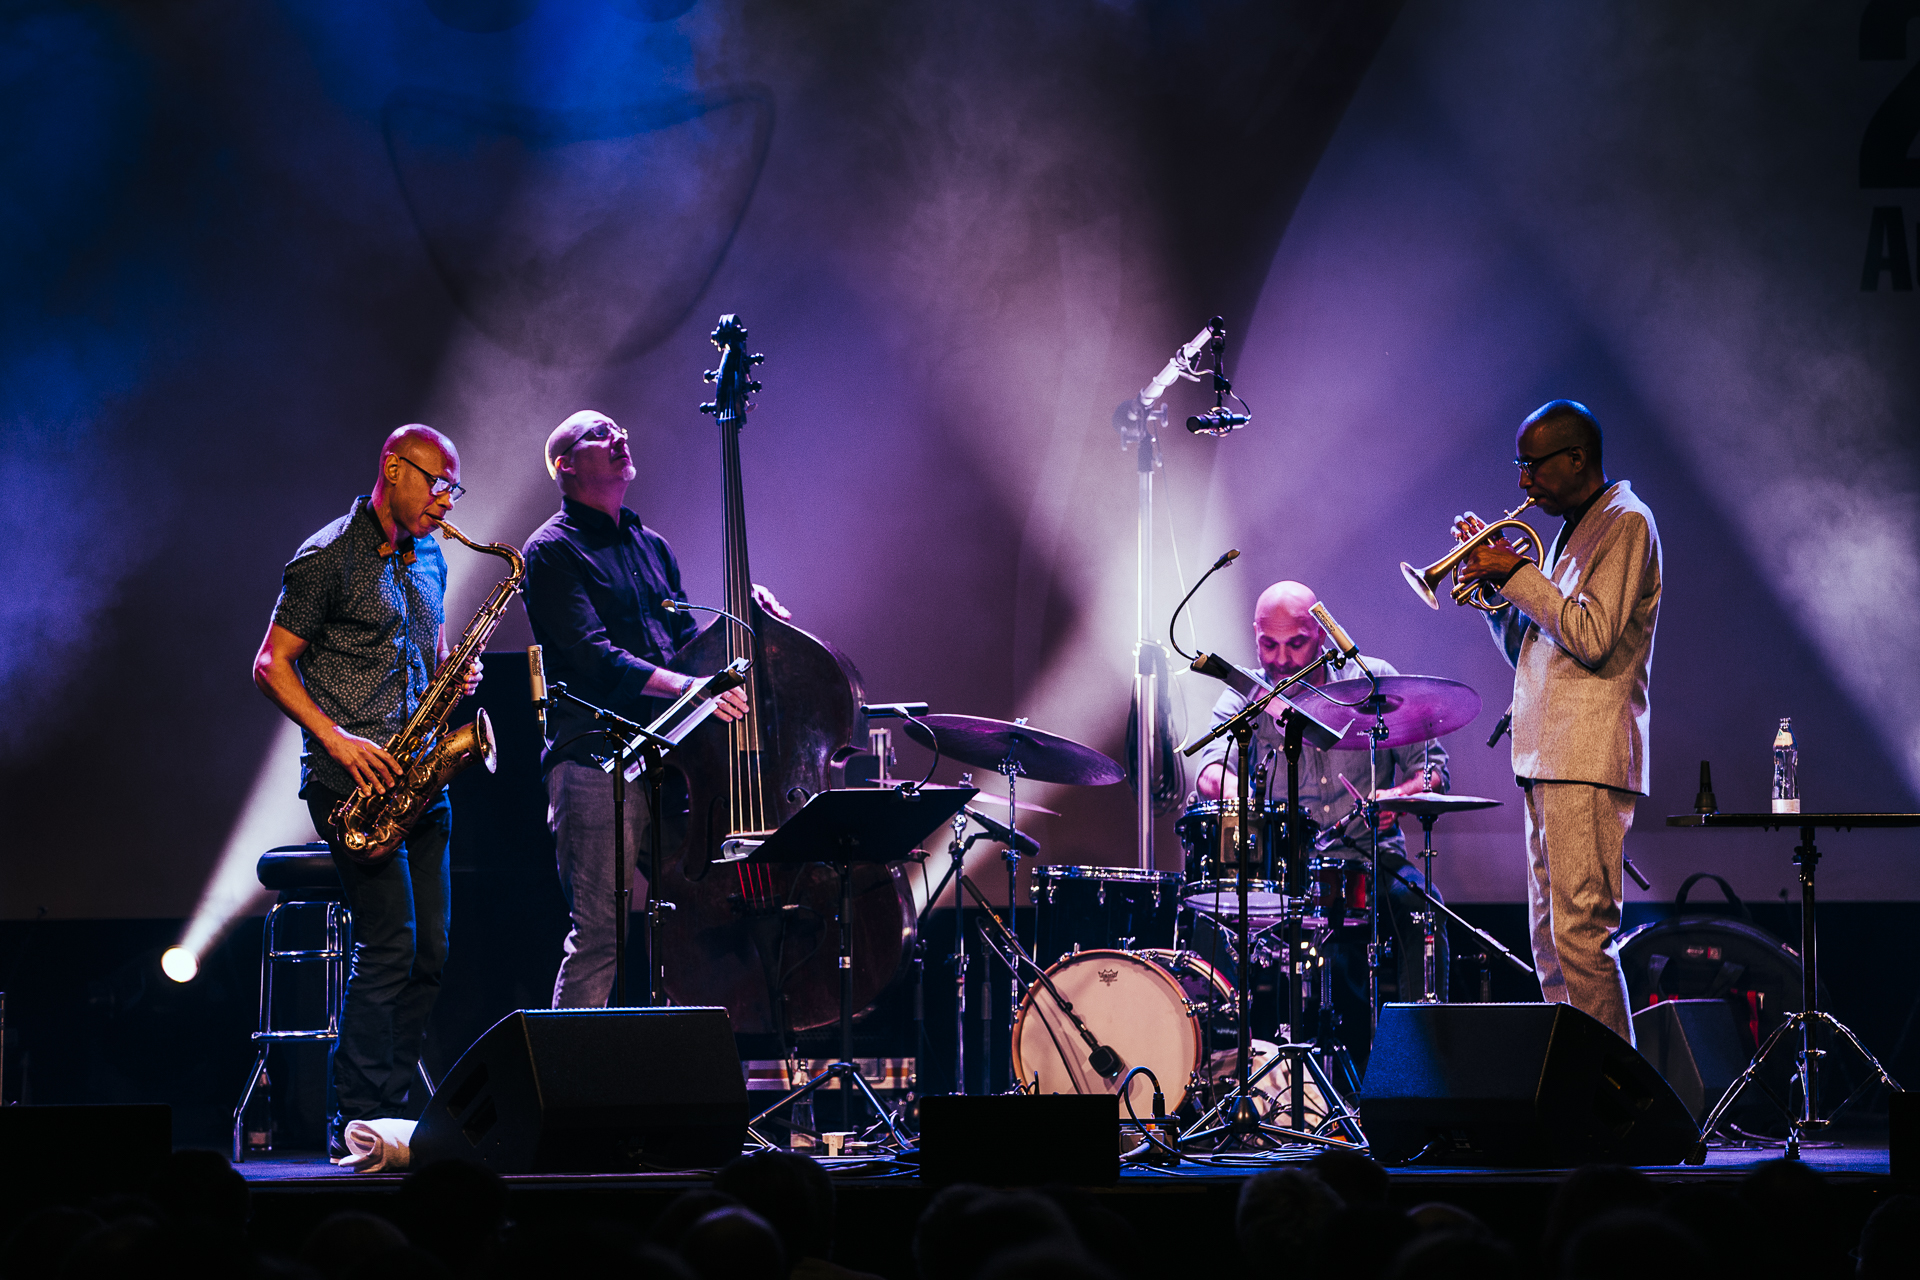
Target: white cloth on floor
point(376, 1145)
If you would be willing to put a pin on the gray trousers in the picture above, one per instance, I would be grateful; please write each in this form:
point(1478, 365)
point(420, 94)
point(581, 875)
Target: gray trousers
point(580, 815)
point(1576, 834)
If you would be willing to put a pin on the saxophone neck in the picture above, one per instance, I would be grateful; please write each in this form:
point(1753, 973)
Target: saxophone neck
point(510, 554)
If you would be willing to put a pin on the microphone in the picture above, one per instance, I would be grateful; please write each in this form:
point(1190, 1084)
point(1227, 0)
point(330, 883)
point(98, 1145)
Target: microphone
point(731, 676)
point(1500, 730)
point(670, 605)
point(537, 678)
point(1217, 422)
point(1342, 642)
point(1018, 841)
point(893, 710)
point(1181, 362)
point(1216, 567)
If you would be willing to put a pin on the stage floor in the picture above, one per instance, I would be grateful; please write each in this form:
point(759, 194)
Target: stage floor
point(1853, 1158)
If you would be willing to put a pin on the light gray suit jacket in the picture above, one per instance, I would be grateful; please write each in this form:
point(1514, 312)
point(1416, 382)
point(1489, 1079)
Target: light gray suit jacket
point(1580, 639)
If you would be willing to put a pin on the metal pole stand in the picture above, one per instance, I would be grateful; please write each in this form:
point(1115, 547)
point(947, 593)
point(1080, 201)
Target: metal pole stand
point(1237, 1115)
point(1806, 1116)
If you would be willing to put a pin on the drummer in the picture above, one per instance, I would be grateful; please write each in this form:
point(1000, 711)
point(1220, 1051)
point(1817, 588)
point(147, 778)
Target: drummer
point(1288, 639)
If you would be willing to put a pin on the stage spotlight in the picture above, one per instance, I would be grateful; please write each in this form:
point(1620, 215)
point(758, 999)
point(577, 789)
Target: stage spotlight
point(179, 964)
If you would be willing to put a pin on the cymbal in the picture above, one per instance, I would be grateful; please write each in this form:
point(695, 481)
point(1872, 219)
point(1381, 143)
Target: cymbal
point(1000, 802)
point(1423, 804)
point(987, 797)
point(1416, 708)
point(1041, 756)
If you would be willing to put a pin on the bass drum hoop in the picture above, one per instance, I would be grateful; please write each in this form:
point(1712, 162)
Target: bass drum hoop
point(1141, 1089)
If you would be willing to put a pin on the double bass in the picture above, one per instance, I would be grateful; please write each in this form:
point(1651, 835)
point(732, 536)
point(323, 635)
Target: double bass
point(760, 939)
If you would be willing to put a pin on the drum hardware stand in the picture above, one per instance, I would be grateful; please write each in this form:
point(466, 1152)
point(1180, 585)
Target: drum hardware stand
point(1237, 1115)
point(1010, 769)
point(1102, 1059)
point(1431, 906)
point(648, 744)
point(1810, 1017)
point(956, 858)
point(859, 824)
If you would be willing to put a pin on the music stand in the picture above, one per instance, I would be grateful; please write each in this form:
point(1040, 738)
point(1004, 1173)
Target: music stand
point(1806, 856)
point(840, 828)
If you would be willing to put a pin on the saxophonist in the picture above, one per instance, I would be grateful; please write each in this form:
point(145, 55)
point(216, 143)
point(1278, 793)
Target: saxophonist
point(354, 642)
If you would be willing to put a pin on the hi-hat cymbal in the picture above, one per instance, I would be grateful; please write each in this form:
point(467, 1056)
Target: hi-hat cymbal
point(1423, 804)
point(1415, 708)
point(1041, 756)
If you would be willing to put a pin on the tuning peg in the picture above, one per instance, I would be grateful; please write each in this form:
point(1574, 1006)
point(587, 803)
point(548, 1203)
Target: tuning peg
point(709, 375)
point(753, 360)
point(710, 407)
point(752, 387)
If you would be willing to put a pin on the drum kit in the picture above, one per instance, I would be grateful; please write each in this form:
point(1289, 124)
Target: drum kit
point(1127, 984)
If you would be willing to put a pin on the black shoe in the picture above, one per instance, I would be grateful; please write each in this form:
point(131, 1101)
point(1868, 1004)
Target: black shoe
point(336, 1138)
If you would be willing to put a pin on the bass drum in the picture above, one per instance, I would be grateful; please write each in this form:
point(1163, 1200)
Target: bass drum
point(1164, 1010)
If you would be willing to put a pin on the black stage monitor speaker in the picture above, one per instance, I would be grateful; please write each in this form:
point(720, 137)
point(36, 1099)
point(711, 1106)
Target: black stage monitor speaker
point(1021, 1139)
point(48, 1153)
point(1696, 1045)
point(592, 1091)
point(1541, 1085)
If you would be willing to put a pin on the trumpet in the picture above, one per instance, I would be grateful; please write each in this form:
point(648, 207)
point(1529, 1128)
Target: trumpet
point(1478, 594)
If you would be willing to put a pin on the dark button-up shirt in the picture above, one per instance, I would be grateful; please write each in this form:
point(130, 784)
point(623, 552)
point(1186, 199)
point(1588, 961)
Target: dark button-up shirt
point(1324, 799)
point(372, 627)
point(593, 594)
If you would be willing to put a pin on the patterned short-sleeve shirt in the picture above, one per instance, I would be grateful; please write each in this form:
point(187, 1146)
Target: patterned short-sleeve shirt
point(372, 626)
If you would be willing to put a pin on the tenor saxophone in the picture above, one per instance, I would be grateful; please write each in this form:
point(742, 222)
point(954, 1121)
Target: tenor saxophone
point(371, 826)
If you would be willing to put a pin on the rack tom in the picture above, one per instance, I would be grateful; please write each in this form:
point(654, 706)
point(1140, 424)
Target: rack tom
point(1080, 908)
point(1210, 833)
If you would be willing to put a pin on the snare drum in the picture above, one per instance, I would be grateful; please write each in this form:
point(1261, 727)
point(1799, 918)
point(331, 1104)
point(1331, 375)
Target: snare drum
point(1078, 908)
point(1168, 1011)
point(1337, 891)
point(1210, 833)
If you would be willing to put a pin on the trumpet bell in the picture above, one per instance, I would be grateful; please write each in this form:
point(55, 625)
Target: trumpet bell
point(1422, 586)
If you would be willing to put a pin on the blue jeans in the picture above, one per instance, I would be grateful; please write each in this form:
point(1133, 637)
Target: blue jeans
point(401, 911)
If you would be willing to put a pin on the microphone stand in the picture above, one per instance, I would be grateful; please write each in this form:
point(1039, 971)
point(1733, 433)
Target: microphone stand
point(1238, 1112)
point(645, 741)
point(1135, 419)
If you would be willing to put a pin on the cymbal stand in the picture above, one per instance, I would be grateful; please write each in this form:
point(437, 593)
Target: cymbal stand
point(1237, 1115)
point(956, 858)
point(1376, 733)
point(1010, 768)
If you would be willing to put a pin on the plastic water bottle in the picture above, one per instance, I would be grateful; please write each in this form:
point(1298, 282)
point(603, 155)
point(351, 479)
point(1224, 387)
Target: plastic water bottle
point(1786, 764)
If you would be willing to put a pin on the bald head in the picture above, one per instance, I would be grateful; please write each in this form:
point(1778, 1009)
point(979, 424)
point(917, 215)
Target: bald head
point(1284, 632)
point(420, 443)
point(414, 461)
point(1285, 599)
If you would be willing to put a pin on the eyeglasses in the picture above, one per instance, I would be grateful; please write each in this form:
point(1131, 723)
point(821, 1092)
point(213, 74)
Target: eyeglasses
point(437, 485)
point(1530, 465)
point(597, 432)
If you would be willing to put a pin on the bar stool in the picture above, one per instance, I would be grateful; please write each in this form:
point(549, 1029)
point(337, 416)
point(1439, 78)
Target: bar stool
point(304, 876)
